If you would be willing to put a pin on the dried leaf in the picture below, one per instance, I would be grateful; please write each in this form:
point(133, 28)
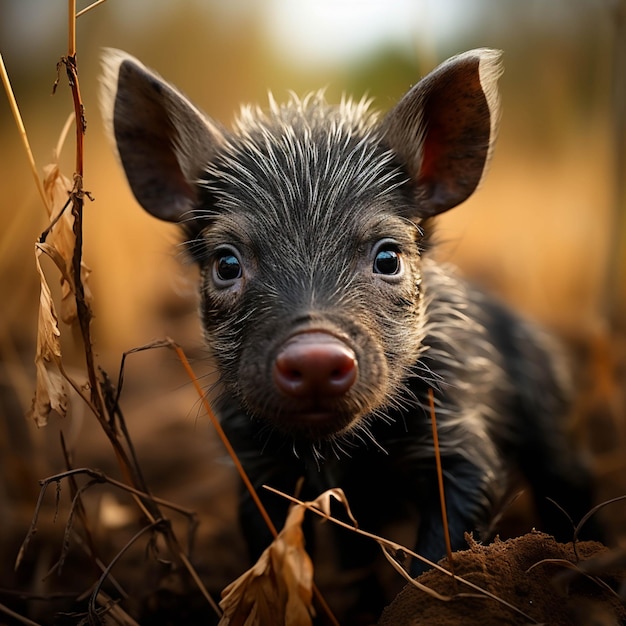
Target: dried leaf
point(323, 503)
point(57, 188)
point(278, 589)
point(50, 392)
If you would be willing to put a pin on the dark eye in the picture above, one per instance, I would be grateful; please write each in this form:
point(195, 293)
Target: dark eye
point(226, 268)
point(387, 261)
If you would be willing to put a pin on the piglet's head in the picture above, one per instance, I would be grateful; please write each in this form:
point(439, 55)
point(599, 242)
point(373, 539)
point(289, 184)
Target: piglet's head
point(308, 221)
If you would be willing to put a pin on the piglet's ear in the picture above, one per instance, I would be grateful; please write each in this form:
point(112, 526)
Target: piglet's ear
point(163, 141)
point(444, 128)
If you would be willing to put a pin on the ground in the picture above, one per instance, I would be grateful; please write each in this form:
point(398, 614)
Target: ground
point(184, 463)
point(545, 582)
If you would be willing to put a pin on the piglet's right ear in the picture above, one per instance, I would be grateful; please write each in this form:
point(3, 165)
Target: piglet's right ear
point(163, 141)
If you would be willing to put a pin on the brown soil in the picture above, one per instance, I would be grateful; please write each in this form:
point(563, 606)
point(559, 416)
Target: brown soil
point(184, 463)
point(533, 573)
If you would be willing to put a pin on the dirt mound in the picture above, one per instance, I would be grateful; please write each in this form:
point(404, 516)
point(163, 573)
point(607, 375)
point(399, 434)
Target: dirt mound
point(533, 573)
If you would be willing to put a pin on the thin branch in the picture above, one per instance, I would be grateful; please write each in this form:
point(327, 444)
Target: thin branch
point(115, 611)
point(110, 396)
point(575, 567)
point(442, 496)
point(71, 29)
point(16, 616)
point(161, 343)
point(32, 528)
point(593, 511)
point(103, 478)
point(162, 526)
point(97, 477)
point(87, 9)
point(100, 565)
point(571, 521)
point(22, 131)
point(203, 590)
point(92, 600)
point(222, 435)
point(74, 507)
point(63, 136)
point(82, 514)
point(51, 225)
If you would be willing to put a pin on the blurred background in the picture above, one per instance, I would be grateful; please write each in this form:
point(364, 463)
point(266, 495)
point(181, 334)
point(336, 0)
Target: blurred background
point(545, 231)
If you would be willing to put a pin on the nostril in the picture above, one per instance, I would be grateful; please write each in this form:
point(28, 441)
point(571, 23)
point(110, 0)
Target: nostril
point(315, 363)
point(292, 374)
point(339, 373)
point(343, 376)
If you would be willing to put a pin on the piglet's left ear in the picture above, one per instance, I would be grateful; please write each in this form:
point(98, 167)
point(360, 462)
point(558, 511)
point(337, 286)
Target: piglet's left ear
point(444, 128)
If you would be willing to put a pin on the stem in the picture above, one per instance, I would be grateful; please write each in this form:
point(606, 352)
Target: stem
point(71, 30)
point(614, 299)
point(222, 435)
point(22, 130)
point(24, 620)
point(442, 496)
point(91, 6)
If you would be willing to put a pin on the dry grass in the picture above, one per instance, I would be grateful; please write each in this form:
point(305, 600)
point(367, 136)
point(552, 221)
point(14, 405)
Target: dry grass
point(550, 254)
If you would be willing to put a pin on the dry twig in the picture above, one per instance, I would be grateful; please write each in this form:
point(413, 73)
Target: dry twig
point(99, 395)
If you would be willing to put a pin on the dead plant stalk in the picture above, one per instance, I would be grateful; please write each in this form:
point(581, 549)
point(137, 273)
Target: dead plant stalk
point(100, 399)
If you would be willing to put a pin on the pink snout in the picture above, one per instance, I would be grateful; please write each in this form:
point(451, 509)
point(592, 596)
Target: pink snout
point(315, 364)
